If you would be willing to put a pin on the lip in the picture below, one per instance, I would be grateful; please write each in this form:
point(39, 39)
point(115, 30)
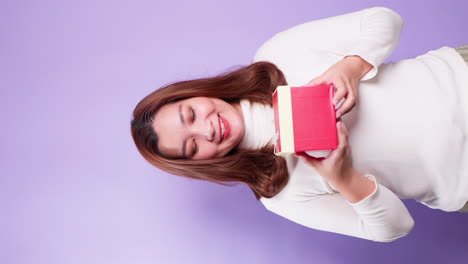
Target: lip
point(219, 127)
point(227, 129)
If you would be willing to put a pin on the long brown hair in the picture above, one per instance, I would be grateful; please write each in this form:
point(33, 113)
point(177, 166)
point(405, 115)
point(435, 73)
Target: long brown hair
point(265, 173)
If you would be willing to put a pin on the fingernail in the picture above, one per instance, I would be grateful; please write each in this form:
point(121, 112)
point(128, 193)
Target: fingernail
point(338, 115)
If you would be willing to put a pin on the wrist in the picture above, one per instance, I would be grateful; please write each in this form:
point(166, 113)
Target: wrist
point(356, 186)
point(362, 66)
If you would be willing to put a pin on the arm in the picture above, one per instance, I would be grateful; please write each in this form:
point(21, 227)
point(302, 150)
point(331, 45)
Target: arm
point(361, 66)
point(380, 217)
point(371, 34)
point(357, 189)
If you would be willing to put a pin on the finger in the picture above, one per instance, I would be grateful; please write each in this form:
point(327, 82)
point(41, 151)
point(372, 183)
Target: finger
point(351, 97)
point(348, 104)
point(345, 134)
point(339, 151)
point(339, 94)
point(345, 130)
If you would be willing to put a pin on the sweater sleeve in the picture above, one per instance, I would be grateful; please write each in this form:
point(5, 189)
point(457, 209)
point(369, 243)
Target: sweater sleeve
point(371, 33)
point(380, 217)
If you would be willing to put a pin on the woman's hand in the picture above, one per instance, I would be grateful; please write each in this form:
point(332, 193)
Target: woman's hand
point(345, 76)
point(337, 166)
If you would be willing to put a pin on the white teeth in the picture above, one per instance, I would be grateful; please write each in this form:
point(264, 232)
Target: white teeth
point(222, 127)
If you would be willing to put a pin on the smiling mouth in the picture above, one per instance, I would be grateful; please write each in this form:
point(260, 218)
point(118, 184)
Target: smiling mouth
point(222, 129)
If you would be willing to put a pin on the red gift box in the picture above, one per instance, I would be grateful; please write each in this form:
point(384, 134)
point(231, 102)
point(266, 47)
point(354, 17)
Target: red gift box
point(305, 120)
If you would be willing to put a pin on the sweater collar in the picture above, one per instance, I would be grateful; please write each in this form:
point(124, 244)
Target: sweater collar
point(259, 125)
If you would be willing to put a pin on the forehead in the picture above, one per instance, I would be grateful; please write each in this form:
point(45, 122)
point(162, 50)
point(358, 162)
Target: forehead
point(168, 127)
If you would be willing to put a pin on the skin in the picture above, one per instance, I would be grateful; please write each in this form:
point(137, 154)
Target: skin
point(203, 134)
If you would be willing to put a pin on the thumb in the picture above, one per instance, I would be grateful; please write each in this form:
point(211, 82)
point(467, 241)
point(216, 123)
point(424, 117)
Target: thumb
point(340, 133)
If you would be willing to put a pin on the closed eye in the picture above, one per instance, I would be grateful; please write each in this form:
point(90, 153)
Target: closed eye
point(195, 147)
point(193, 114)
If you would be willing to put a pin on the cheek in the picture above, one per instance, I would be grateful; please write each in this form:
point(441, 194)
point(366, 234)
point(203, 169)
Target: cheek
point(208, 151)
point(205, 105)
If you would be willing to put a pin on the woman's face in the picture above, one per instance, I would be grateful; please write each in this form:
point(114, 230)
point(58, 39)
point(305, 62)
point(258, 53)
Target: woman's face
point(193, 128)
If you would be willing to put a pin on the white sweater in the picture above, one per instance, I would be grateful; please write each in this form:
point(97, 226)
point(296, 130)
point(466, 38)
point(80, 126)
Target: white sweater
point(407, 132)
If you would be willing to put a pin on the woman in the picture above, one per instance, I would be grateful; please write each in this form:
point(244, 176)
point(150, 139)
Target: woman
point(406, 131)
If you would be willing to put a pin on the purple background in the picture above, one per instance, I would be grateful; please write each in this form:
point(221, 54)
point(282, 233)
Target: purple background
point(74, 189)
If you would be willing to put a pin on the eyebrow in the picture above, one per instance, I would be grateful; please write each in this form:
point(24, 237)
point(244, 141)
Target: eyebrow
point(184, 144)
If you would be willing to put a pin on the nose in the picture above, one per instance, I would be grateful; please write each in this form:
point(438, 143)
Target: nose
point(205, 130)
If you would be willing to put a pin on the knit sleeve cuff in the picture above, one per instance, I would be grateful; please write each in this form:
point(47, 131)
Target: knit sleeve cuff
point(366, 202)
point(372, 61)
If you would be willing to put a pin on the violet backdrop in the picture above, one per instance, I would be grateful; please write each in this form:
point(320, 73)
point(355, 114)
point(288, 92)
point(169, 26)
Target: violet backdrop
point(74, 189)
